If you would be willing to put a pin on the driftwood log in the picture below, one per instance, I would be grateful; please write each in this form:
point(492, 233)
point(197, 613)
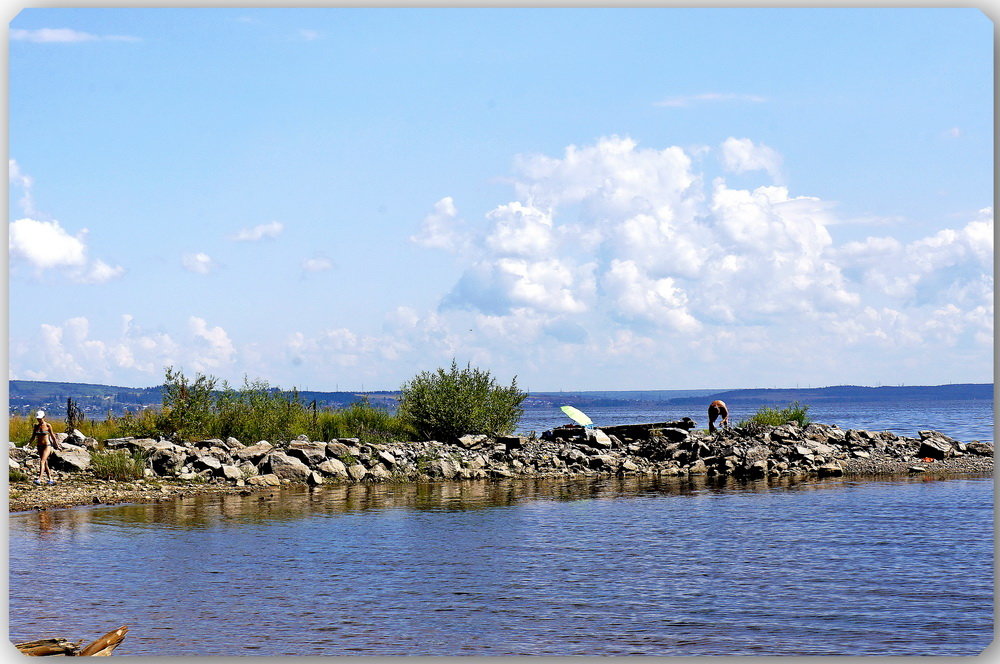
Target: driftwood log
point(61, 647)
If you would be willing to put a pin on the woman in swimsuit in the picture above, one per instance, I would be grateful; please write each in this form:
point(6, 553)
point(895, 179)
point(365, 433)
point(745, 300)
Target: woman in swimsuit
point(42, 435)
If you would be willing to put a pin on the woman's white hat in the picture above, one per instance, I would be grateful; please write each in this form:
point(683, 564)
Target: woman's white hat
point(40, 414)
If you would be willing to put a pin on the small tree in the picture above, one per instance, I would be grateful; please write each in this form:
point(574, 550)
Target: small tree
point(444, 405)
point(187, 404)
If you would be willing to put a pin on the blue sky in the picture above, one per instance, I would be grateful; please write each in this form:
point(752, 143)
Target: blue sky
point(586, 198)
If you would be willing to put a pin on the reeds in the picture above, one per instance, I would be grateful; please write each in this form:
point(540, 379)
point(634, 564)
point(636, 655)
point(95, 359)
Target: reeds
point(117, 465)
point(768, 416)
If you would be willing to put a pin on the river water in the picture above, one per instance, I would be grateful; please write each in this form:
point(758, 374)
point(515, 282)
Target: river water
point(619, 566)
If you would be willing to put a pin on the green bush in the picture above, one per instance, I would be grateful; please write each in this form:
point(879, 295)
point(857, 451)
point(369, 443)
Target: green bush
point(767, 416)
point(444, 405)
point(17, 475)
point(258, 411)
point(363, 421)
point(188, 405)
point(118, 465)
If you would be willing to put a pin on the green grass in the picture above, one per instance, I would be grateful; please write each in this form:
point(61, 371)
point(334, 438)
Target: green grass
point(363, 421)
point(118, 465)
point(140, 425)
point(767, 416)
point(17, 475)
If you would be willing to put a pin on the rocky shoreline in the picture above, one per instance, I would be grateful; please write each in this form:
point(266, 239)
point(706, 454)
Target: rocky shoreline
point(670, 449)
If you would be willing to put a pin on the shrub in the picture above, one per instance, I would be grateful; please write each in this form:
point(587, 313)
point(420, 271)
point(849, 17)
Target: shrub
point(187, 404)
point(118, 465)
point(444, 405)
point(363, 421)
point(17, 475)
point(767, 416)
point(258, 411)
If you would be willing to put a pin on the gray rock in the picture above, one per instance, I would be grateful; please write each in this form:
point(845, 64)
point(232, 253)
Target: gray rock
point(598, 438)
point(231, 473)
point(264, 480)
point(603, 462)
point(314, 479)
point(206, 462)
point(302, 438)
point(629, 466)
point(11, 463)
point(357, 472)
point(234, 444)
point(309, 453)
point(917, 469)
point(861, 454)
point(473, 441)
point(379, 473)
point(934, 448)
point(441, 468)
point(337, 449)
point(334, 467)
point(832, 469)
point(388, 459)
point(499, 472)
point(72, 460)
point(286, 467)
point(254, 453)
point(980, 449)
point(167, 460)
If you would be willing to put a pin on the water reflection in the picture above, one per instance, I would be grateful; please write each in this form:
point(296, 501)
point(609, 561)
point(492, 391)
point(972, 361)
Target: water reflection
point(609, 566)
point(290, 503)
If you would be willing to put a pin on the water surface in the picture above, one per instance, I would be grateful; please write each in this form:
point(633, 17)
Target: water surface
point(633, 566)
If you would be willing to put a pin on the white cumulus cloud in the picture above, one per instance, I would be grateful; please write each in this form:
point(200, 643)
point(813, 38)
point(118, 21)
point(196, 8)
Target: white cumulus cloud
point(740, 155)
point(198, 262)
point(259, 232)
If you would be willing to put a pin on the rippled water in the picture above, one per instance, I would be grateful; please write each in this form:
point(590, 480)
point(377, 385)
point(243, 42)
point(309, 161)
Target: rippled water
point(633, 566)
point(965, 420)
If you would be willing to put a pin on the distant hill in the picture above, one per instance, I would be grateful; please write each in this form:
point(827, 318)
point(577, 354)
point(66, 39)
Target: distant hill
point(778, 396)
point(98, 400)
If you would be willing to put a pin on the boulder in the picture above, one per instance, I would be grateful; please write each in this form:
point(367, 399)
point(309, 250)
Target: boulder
point(357, 472)
point(379, 473)
point(264, 480)
point(388, 459)
point(72, 460)
point(167, 460)
point(314, 479)
point(441, 468)
point(254, 453)
point(234, 444)
point(831, 469)
point(286, 467)
point(333, 467)
point(603, 462)
point(309, 453)
point(231, 473)
point(980, 449)
point(337, 449)
point(934, 448)
point(629, 466)
point(206, 462)
point(598, 438)
point(473, 441)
